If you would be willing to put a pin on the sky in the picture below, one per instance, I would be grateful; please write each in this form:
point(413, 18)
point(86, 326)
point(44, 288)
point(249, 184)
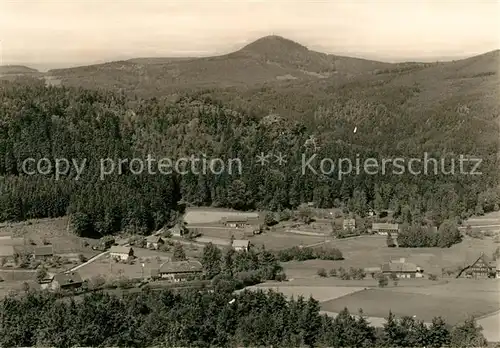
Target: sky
point(50, 34)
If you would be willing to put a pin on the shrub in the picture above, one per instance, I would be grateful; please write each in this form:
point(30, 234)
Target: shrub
point(432, 277)
point(322, 273)
point(280, 277)
point(383, 281)
point(333, 272)
point(357, 273)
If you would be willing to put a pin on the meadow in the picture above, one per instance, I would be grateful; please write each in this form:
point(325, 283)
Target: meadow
point(378, 303)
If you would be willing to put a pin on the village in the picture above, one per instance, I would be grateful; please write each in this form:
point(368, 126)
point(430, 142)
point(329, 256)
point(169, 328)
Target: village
point(240, 231)
point(128, 262)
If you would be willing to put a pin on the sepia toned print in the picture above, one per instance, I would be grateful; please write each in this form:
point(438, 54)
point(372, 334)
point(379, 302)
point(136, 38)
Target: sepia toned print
point(249, 173)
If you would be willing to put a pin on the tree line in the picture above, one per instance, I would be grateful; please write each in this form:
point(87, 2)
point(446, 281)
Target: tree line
point(199, 318)
point(39, 122)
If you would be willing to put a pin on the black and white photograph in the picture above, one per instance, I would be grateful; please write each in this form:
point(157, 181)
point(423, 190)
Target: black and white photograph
point(250, 173)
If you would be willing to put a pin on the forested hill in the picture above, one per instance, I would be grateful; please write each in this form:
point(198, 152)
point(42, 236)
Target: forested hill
point(38, 121)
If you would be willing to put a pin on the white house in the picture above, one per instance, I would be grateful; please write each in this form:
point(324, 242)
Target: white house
point(241, 244)
point(119, 252)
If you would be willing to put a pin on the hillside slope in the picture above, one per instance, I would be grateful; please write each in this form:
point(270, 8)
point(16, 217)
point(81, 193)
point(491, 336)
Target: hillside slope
point(271, 59)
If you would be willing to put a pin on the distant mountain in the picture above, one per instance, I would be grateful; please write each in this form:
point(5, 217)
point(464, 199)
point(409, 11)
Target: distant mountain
point(16, 69)
point(270, 59)
point(452, 104)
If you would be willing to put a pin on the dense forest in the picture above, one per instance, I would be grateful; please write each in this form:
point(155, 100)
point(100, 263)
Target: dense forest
point(75, 124)
point(197, 318)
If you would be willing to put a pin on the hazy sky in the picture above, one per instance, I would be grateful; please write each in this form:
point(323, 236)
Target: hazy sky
point(68, 32)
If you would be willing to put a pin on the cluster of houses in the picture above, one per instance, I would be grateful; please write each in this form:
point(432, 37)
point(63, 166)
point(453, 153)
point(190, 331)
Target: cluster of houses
point(10, 246)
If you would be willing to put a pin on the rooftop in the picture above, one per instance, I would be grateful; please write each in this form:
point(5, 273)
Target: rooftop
point(45, 250)
point(6, 250)
point(399, 267)
point(181, 267)
point(154, 239)
point(119, 249)
point(384, 226)
point(235, 218)
point(68, 278)
point(12, 241)
point(242, 243)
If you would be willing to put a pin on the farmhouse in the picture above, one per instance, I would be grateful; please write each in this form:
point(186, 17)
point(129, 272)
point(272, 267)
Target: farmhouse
point(241, 244)
point(384, 228)
point(178, 270)
point(43, 252)
point(235, 221)
point(154, 242)
point(65, 281)
point(348, 224)
point(119, 252)
point(482, 267)
point(402, 269)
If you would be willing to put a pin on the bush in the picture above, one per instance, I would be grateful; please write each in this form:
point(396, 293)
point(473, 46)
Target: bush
point(432, 277)
point(280, 277)
point(383, 281)
point(303, 254)
point(343, 274)
point(357, 273)
point(333, 272)
point(322, 273)
point(248, 278)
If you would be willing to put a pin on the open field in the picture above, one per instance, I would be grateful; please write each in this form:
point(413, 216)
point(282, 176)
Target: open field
point(368, 251)
point(377, 303)
point(54, 231)
point(488, 223)
point(320, 293)
point(211, 215)
point(453, 299)
point(490, 326)
point(277, 241)
point(108, 268)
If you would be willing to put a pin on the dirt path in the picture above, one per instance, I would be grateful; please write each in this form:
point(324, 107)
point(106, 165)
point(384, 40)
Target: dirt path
point(94, 258)
point(98, 256)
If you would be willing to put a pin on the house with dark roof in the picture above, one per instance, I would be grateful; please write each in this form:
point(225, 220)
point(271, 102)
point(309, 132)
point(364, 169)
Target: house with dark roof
point(235, 221)
point(176, 271)
point(119, 252)
point(384, 229)
point(154, 242)
point(402, 269)
point(66, 281)
point(43, 252)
